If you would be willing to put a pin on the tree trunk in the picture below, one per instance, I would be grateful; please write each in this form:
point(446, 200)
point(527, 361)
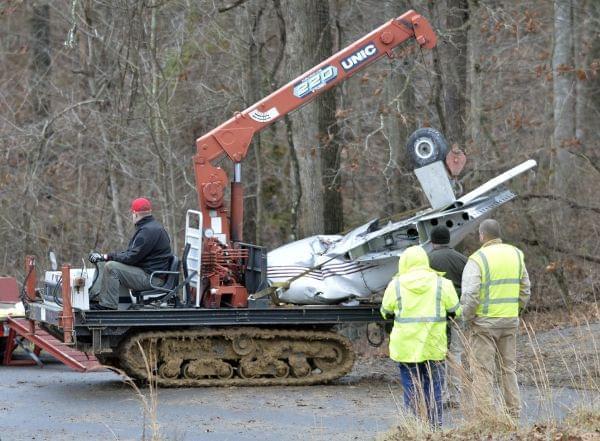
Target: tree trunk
point(305, 36)
point(158, 109)
point(437, 93)
point(329, 135)
point(399, 121)
point(455, 70)
point(587, 52)
point(40, 77)
point(475, 75)
point(250, 21)
point(40, 58)
point(563, 71)
point(97, 87)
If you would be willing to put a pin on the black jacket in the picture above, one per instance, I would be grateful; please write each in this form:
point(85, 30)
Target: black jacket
point(149, 248)
point(451, 262)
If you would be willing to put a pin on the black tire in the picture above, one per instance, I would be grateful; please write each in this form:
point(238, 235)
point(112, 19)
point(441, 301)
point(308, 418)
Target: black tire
point(425, 146)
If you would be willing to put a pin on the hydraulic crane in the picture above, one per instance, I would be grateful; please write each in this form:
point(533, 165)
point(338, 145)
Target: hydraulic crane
point(223, 229)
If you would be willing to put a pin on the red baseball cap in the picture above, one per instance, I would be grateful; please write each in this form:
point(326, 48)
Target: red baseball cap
point(140, 204)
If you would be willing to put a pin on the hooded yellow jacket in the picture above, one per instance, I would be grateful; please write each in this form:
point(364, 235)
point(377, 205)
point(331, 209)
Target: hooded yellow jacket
point(418, 298)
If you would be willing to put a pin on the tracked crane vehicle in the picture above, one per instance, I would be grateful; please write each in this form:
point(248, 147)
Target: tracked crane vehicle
point(223, 330)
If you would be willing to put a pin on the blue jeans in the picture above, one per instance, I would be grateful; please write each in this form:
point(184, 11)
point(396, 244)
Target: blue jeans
point(422, 382)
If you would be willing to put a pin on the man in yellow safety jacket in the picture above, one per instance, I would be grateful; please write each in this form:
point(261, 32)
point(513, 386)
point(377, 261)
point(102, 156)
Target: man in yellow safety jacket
point(495, 287)
point(419, 299)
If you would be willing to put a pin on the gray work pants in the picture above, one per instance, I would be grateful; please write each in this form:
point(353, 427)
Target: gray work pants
point(115, 280)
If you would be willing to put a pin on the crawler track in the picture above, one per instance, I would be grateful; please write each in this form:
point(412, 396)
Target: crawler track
point(237, 357)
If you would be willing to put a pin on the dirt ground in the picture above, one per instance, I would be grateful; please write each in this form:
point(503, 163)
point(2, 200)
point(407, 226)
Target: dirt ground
point(55, 404)
point(560, 357)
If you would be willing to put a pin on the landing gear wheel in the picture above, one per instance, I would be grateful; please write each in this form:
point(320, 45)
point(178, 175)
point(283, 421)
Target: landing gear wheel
point(426, 146)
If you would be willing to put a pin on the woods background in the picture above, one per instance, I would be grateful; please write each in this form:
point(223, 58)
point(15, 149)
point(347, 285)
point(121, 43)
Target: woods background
point(101, 102)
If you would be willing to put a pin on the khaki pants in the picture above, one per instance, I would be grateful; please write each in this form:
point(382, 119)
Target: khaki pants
point(115, 280)
point(452, 387)
point(491, 347)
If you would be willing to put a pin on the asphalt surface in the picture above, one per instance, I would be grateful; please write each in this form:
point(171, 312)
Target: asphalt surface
point(53, 403)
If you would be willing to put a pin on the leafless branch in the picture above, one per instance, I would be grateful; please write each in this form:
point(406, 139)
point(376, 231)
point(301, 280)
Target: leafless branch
point(552, 197)
point(233, 5)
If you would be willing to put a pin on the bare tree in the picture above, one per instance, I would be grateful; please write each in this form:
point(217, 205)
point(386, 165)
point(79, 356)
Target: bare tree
point(399, 120)
point(306, 37)
point(475, 73)
point(333, 215)
point(451, 67)
point(41, 106)
point(40, 58)
point(563, 74)
point(587, 73)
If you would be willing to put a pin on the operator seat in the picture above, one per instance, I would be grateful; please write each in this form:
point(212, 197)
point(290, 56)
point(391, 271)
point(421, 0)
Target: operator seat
point(158, 292)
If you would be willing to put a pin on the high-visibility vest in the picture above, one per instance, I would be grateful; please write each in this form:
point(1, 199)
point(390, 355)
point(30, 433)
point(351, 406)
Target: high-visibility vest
point(501, 267)
point(419, 332)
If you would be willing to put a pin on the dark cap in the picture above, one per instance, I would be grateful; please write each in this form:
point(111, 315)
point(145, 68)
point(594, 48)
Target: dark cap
point(440, 235)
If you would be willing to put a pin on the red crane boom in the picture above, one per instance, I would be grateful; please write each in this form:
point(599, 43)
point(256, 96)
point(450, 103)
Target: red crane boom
point(233, 137)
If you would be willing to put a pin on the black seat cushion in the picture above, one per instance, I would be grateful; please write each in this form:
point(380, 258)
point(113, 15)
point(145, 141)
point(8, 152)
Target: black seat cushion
point(170, 282)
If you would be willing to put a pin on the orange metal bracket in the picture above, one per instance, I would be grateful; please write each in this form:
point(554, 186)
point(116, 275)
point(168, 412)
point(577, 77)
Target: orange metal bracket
point(66, 319)
point(31, 277)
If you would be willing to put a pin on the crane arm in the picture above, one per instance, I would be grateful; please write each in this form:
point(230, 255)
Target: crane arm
point(233, 137)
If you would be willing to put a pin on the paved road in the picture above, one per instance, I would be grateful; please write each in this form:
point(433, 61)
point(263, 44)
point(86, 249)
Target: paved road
point(56, 404)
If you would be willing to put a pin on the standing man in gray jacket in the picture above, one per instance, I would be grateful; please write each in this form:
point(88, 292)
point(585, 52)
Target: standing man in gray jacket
point(444, 258)
point(495, 288)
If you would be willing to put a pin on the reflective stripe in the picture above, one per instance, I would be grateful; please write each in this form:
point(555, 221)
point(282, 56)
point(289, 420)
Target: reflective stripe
point(454, 308)
point(398, 298)
point(419, 319)
point(505, 300)
point(504, 282)
point(438, 307)
point(520, 273)
point(486, 285)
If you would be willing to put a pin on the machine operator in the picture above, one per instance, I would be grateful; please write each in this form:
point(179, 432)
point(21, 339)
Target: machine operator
point(149, 250)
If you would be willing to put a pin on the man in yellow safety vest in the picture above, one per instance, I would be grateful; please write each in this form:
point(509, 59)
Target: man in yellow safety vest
point(419, 299)
point(495, 287)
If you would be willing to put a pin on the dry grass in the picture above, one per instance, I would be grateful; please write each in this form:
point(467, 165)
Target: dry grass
point(148, 398)
point(489, 422)
point(552, 319)
point(587, 431)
